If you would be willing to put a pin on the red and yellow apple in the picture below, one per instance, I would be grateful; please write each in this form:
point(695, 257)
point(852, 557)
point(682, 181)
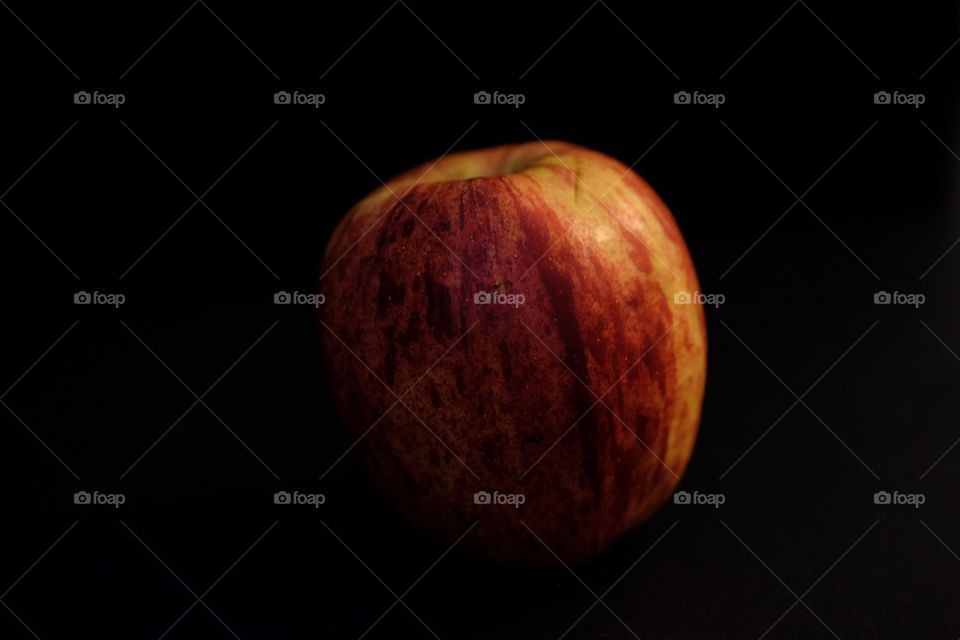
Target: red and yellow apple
point(508, 337)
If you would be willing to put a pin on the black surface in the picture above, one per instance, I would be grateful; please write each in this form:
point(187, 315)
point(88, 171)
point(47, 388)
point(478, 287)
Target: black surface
point(879, 208)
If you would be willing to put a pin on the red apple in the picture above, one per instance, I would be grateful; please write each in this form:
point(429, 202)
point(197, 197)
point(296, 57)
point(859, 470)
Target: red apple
point(526, 303)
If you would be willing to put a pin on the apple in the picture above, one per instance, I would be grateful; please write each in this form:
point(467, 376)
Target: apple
point(514, 341)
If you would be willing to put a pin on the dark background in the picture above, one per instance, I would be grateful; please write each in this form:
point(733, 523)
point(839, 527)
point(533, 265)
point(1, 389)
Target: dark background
point(799, 519)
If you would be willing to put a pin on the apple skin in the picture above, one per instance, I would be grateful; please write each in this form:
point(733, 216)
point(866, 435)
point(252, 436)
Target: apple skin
point(499, 397)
